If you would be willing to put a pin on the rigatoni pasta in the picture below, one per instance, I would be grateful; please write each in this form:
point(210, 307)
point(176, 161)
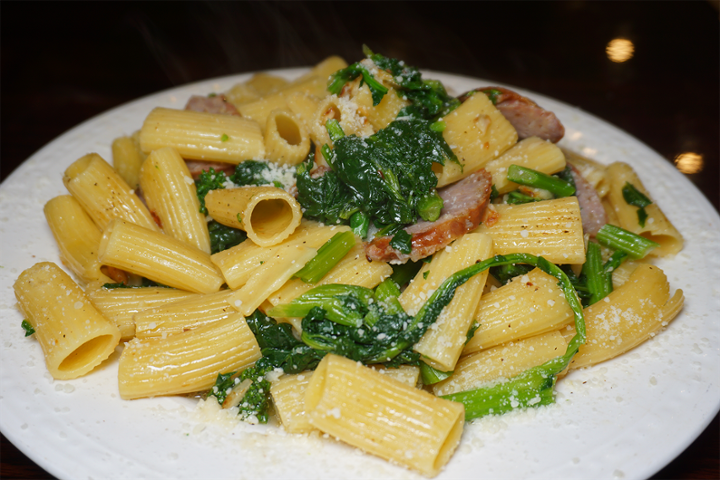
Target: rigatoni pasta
point(170, 193)
point(104, 194)
point(77, 237)
point(202, 136)
point(186, 362)
point(656, 227)
point(158, 257)
point(382, 416)
point(74, 336)
point(269, 215)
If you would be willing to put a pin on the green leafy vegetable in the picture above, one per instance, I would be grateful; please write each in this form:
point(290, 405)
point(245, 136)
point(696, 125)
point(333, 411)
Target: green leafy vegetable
point(29, 330)
point(636, 198)
point(223, 237)
point(617, 238)
point(341, 77)
point(250, 172)
point(360, 223)
point(505, 273)
point(389, 172)
point(402, 241)
point(432, 375)
point(533, 178)
point(429, 99)
point(327, 257)
point(206, 181)
point(516, 197)
point(404, 272)
point(224, 137)
point(387, 177)
point(281, 351)
point(325, 198)
point(372, 327)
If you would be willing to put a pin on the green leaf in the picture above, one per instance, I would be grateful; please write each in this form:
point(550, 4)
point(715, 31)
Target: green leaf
point(636, 198)
point(29, 330)
point(432, 375)
point(327, 257)
point(402, 241)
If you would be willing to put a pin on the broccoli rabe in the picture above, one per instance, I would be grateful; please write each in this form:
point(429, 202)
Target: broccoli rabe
point(386, 177)
point(223, 237)
point(428, 98)
point(208, 180)
point(371, 327)
point(280, 350)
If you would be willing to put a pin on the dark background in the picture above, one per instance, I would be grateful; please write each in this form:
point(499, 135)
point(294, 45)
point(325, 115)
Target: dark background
point(63, 63)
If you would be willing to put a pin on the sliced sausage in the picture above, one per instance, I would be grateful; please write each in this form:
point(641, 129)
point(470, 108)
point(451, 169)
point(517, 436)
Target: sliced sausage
point(528, 118)
point(464, 205)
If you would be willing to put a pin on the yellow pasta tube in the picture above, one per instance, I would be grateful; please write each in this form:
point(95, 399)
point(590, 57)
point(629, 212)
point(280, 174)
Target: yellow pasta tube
point(241, 93)
point(103, 194)
point(627, 317)
point(170, 193)
point(186, 362)
point(532, 152)
point(503, 361)
point(259, 110)
point(288, 394)
point(477, 132)
point(268, 215)
point(342, 110)
point(158, 257)
point(270, 277)
point(121, 304)
point(383, 416)
point(77, 237)
point(287, 140)
point(74, 336)
point(172, 318)
point(442, 344)
point(265, 83)
point(657, 226)
point(127, 160)
point(239, 263)
point(551, 228)
point(379, 115)
point(353, 269)
point(303, 106)
point(529, 305)
point(324, 69)
point(203, 136)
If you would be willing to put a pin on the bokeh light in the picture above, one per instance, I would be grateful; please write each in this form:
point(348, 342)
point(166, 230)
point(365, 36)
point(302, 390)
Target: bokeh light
point(689, 162)
point(620, 50)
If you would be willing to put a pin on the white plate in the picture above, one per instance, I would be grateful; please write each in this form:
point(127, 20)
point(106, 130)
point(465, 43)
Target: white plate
point(626, 418)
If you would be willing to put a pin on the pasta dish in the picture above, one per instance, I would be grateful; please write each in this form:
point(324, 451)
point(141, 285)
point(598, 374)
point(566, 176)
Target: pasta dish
point(355, 252)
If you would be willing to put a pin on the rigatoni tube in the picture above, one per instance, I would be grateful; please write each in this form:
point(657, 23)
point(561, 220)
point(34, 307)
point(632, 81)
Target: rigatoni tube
point(74, 336)
point(269, 215)
point(382, 416)
point(159, 257)
point(186, 362)
point(202, 136)
point(104, 194)
point(170, 193)
point(77, 237)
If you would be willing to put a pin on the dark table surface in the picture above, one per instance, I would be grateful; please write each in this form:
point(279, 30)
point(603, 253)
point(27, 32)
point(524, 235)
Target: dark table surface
point(63, 63)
